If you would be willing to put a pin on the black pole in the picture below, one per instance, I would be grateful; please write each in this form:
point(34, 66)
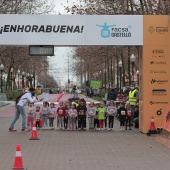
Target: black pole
point(18, 82)
point(22, 81)
point(11, 81)
point(132, 71)
point(120, 79)
point(1, 81)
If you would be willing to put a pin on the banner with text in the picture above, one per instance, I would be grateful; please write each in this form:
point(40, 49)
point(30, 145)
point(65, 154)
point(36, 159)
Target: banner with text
point(69, 30)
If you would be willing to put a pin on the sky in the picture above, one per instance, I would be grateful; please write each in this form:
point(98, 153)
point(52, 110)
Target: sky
point(58, 63)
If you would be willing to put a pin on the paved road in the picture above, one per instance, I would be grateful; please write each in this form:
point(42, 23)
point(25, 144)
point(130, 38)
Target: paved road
point(73, 150)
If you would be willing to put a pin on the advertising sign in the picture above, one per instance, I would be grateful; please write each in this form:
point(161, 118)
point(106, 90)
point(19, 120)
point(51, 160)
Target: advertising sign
point(155, 71)
point(68, 30)
point(95, 84)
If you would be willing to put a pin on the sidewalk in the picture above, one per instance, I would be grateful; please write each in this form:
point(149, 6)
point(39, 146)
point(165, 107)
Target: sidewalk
point(73, 150)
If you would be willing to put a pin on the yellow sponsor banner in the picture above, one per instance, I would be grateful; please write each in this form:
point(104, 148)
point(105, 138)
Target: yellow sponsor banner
point(155, 72)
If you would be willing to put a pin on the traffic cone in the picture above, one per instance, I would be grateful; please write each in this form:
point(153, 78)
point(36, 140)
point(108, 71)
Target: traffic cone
point(34, 135)
point(152, 129)
point(18, 164)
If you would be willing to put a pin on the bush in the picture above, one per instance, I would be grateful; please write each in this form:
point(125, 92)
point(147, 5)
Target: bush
point(12, 95)
point(8, 95)
point(15, 94)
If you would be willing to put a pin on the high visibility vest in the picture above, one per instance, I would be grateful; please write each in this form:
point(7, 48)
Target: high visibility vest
point(132, 98)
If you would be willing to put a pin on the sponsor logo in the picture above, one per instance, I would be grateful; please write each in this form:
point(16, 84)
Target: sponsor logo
point(114, 31)
point(158, 81)
point(159, 30)
point(151, 29)
point(159, 92)
point(153, 102)
point(158, 51)
point(159, 112)
point(158, 71)
point(157, 62)
point(42, 28)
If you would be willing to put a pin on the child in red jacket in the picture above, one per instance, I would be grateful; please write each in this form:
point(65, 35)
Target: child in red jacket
point(61, 113)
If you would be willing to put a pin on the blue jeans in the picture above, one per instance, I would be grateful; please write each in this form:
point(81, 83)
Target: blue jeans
point(19, 110)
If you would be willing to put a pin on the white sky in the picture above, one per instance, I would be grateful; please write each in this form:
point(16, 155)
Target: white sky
point(59, 61)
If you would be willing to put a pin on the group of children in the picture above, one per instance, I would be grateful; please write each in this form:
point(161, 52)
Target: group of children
point(73, 116)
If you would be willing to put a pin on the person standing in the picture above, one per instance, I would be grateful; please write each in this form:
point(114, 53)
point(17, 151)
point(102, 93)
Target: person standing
point(61, 113)
point(72, 117)
point(122, 112)
point(81, 109)
point(27, 97)
point(112, 94)
point(44, 114)
point(111, 109)
point(91, 110)
point(101, 111)
point(133, 98)
point(30, 115)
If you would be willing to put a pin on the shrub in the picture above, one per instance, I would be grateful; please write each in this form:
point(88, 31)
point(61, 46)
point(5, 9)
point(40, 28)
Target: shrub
point(8, 95)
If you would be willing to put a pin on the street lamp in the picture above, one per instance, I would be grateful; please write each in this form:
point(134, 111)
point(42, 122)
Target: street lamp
point(120, 74)
point(11, 77)
point(137, 74)
point(105, 71)
point(28, 76)
point(23, 74)
point(2, 69)
point(31, 80)
point(18, 72)
point(132, 59)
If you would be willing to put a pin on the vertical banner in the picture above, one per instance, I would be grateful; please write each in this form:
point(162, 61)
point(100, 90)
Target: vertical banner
point(156, 70)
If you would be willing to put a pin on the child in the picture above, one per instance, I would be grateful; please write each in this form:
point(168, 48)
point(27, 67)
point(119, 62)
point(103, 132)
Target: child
point(61, 113)
point(68, 107)
point(66, 117)
point(122, 115)
point(136, 117)
point(129, 116)
point(72, 117)
point(111, 109)
point(81, 109)
point(96, 121)
point(52, 115)
point(91, 114)
point(30, 115)
point(37, 114)
point(44, 114)
point(101, 115)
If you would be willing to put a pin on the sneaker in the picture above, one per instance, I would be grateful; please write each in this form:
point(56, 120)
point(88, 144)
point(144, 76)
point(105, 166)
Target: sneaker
point(109, 129)
point(112, 129)
point(130, 129)
point(43, 128)
point(25, 130)
point(12, 130)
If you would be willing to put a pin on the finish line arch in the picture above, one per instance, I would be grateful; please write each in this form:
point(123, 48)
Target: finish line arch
point(149, 31)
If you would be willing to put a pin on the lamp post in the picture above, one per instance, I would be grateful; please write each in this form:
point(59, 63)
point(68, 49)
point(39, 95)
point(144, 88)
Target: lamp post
point(28, 76)
point(11, 77)
point(23, 74)
point(137, 74)
point(132, 59)
point(120, 75)
point(31, 77)
point(105, 71)
point(2, 69)
point(18, 72)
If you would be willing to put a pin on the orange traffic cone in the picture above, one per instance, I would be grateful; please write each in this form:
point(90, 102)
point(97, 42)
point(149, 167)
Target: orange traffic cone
point(34, 135)
point(152, 129)
point(18, 164)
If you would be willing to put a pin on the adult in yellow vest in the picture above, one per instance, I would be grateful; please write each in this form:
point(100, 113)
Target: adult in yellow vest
point(133, 98)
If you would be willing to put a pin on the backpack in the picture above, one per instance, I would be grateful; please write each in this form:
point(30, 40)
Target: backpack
point(19, 97)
